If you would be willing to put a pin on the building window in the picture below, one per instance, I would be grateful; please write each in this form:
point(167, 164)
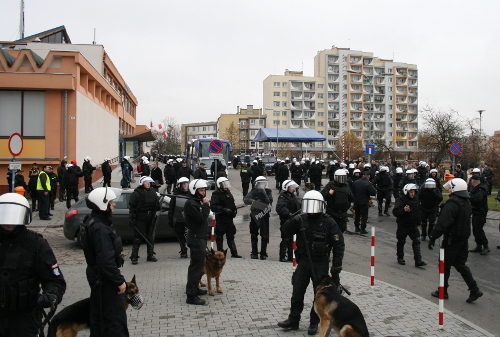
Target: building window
point(276, 84)
point(276, 113)
point(276, 122)
point(284, 84)
point(283, 123)
point(283, 113)
point(204, 128)
point(276, 103)
point(243, 134)
point(321, 114)
point(390, 98)
point(215, 127)
point(321, 105)
point(283, 103)
point(321, 86)
point(390, 107)
point(252, 133)
point(321, 124)
point(252, 144)
point(276, 93)
point(284, 94)
point(252, 122)
point(243, 123)
point(23, 112)
point(261, 122)
point(321, 96)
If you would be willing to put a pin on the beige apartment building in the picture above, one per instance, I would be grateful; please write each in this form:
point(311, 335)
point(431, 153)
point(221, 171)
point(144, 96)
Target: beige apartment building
point(195, 131)
point(246, 125)
point(350, 91)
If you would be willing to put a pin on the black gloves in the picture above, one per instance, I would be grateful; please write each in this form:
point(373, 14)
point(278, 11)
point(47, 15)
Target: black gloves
point(431, 243)
point(47, 300)
point(335, 270)
point(235, 212)
point(228, 211)
point(297, 218)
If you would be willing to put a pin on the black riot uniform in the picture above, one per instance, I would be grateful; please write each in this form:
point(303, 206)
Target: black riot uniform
point(338, 203)
point(454, 223)
point(26, 262)
point(262, 226)
point(296, 173)
point(383, 183)
point(404, 181)
point(196, 213)
point(246, 176)
point(143, 205)
point(222, 204)
point(323, 237)
point(282, 174)
point(479, 203)
point(103, 253)
point(286, 206)
point(177, 220)
point(429, 203)
point(170, 178)
point(106, 173)
point(87, 169)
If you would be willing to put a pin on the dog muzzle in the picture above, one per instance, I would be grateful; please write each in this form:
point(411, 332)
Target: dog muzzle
point(136, 301)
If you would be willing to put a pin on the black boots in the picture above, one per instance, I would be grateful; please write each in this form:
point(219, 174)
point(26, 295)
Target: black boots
point(283, 249)
point(313, 329)
point(255, 251)
point(401, 261)
point(195, 300)
point(151, 254)
point(474, 295)
point(134, 256)
point(232, 248)
point(436, 294)
point(485, 250)
point(263, 249)
point(287, 324)
point(478, 249)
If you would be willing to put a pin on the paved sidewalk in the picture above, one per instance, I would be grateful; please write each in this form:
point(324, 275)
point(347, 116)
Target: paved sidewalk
point(256, 296)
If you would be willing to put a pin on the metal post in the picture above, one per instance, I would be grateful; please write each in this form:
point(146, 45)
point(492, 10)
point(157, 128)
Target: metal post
point(277, 139)
point(371, 115)
point(12, 173)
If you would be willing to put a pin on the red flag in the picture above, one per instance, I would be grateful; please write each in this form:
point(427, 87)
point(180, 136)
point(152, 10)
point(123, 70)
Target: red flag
point(160, 126)
point(151, 124)
point(164, 135)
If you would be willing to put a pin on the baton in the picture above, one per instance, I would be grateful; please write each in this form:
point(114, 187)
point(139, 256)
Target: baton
point(302, 229)
point(178, 196)
point(142, 235)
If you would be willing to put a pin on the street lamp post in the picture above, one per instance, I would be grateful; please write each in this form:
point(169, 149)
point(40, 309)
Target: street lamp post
point(277, 138)
point(480, 120)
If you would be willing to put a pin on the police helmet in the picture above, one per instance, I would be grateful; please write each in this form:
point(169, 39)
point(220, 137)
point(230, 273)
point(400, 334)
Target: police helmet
point(261, 182)
point(146, 162)
point(255, 162)
point(356, 171)
point(99, 198)
point(145, 179)
point(313, 202)
point(409, 173)
point(87, 158)
point(179, 159)
point(287, 158)
point(14, 210)
point(367, 165)
point(340, 176)
point(399, 170)
point(68, 166)
point(457, 186)
point(430, 183)
point(297, 163)
point(289, 184)
point(330, 163)
point(182, 184)
point(223, 182)
point(476, 170)
point(196, 184)
point(351, 166)
point(409, 187)
point(384, 169)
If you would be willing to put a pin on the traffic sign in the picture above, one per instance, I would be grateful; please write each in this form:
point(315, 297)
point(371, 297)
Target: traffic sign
point(15, 165)
point(15, 144)
point(455, 148)
point(370, 149)
point(215, 146)
point(219, 156)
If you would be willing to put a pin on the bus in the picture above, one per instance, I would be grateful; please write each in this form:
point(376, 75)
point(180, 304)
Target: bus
point(199, 149)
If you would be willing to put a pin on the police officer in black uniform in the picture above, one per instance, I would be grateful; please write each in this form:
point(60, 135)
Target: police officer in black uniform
point(323, 236)
point(383, 184)
point(143, 206)
point(196, 212)
point(106, 172)
point(430, 197)
point(454, 223)
point(87, 169)
point(169, 173)
point(184, 171)
point(26, 262)
point(479, 202)
point(338, 197)
point(103, 253)
point(222, 204)
point(286, 206)
point(263, 194)
point(246, 177)
point(175, 217)
point(408, 178)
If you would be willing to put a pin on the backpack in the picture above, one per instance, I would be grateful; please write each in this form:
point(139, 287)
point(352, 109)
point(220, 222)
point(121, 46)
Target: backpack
point(341, 201)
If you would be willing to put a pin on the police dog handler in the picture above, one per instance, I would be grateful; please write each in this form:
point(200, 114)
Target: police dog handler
point(26, 263)
point(323, 236)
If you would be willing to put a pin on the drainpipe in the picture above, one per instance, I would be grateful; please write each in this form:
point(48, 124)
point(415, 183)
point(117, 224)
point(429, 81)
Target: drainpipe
point(65, 132)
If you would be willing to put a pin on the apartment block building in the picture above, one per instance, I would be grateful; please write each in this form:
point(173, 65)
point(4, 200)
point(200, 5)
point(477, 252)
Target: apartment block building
point(197, 130)
point(247, 122)
point(351, 90)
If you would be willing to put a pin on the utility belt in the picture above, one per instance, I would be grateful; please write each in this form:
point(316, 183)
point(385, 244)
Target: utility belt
point(20, 296)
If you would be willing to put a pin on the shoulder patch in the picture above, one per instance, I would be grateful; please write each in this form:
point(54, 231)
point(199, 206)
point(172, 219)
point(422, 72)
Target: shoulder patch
point(336, 237)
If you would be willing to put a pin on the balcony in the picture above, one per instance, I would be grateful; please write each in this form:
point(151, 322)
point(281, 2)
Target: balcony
point(296, 114)
point(380, 90)
point(379, 99)
point(309, 96)
point(401, 81)
point(355, 116)
point(333, 115)
point(334, 107)
point(355, 106)
point(356, 87)
point(413, 83)
point(333, 97)
point(356, 97)
point(413, 100)
point(333, 69)
point(401, 90)
point(310, 124)
point(412, 92)
point(333, 59)
point(356, 78)
point(297, 96)
point(295, 124)
point(296, 106)
point(333, 78)
point(400, 99)
point(333, 125)
point(413, 73)
point(367, 61)
point(379, 71)
point(355, 126)
point(401, 71)
point(308, 86)
point(368, 71)
point(355, 60)
point(296, 86)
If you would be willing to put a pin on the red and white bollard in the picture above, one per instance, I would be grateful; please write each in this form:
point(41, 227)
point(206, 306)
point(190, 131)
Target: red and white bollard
point(294, 264)
point(441, 288)
point(212, 238)
point(372, 278)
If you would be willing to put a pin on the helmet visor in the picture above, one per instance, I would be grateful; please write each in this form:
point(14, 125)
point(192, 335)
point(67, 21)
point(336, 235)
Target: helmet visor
point(312, 206)
point(14, 214)
point(341, 179)
point(430, 184)
point(261, 184)
point(225, 184)
point(183, 186)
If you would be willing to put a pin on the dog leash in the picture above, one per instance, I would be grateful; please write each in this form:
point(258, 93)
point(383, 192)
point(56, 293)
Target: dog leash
point(47, 318)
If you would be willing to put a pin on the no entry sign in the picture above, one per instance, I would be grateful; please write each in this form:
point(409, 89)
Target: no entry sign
point(216, 146)
point(15, 144)
point(455, 148)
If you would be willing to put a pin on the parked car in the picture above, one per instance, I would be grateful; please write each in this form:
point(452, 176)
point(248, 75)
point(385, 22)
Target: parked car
point(269, 163)
point(76, 214)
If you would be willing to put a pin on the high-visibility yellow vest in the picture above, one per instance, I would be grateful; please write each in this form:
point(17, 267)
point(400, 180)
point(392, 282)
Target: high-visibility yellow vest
point(39, 183)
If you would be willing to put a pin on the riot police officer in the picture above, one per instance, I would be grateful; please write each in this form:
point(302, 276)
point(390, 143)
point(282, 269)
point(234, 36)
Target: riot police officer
point(454, 223)
point(338, 197)
point(317, 235)
point(196, 210)
point(479, 202)
point(222, 204)
point(175, 217)
point(383, 184)
point(103, 253)
point(430, 197)
point(260, 215)
point(87, 169)
point(142, 213)
point(286, 206)
point(26, 262)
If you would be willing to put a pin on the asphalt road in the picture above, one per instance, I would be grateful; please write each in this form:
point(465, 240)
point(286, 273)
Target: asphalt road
point(421, 281)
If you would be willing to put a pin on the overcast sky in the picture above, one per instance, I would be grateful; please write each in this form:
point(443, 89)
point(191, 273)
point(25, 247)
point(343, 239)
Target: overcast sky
point(197, 59)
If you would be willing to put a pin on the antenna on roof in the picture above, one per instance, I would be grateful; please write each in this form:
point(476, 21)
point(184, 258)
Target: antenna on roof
point(21, 21)
point(93, 42)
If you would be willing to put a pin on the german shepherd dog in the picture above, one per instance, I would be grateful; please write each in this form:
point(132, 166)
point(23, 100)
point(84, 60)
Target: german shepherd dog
point(76, 317)
point(214, 263)
point(337, 312)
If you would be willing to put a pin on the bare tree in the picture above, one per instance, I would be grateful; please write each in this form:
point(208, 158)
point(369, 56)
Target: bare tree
point(441, 128)
point(353, 146)
point(171, 144)
point(232, 134)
